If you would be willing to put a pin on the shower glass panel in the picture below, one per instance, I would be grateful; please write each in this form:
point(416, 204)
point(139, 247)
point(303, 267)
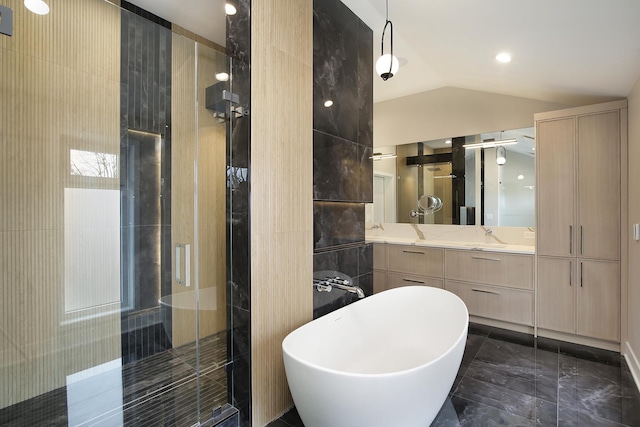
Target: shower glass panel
point(112, 221)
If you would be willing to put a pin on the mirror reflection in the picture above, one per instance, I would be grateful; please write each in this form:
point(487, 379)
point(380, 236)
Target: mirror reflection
point(484, 179)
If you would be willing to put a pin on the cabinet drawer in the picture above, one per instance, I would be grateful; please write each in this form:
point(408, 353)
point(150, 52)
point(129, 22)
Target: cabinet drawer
point(380, 256)
point(492, 268)
point(396, 280)
point(418, 261)
point(509, 305)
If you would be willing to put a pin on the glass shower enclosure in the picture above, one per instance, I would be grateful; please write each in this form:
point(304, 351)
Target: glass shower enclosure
point(112, 220)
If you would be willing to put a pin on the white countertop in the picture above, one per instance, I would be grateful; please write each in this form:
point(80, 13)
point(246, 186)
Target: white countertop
point(449, 244)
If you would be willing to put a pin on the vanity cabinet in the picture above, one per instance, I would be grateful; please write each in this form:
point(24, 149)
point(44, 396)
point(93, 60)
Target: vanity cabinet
point(578, 189)
point(578, 232)
point(495, 302)
point(416, 260)
point(492, 268)
point(494, 285)
point(404, 265)
point(579, 297)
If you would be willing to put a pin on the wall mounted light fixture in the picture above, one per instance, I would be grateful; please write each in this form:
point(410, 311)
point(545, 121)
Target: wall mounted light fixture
point(387, 65)
point(380, 156)
point(491, 144)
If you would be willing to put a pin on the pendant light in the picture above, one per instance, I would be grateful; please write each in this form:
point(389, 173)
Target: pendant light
point(39, 7)
point(501, 155)
point(387, 65)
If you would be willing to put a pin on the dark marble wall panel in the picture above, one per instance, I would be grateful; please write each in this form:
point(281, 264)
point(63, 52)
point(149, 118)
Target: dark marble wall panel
point(365, 85)
point(238, 46)
point(145, 106)
point(337, 224)
point(342, 73)
point(356, 262)
point(366, 174)
point(342, 147)
point(335, 69)
point(336, 167)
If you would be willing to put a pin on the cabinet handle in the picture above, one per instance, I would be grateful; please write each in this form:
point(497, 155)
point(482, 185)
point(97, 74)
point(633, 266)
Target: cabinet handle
point(486, 259)
point(414, 281)
point(581, 275)
point(484, 291)
point(570, 273)
point(581, 240)
point(413, 252)
point(571, 239)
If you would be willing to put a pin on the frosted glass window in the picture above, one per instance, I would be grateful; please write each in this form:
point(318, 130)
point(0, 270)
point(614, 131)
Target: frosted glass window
point(91, 248)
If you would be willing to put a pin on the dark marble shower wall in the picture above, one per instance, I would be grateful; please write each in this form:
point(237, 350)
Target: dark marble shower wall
point(145, 119)
point(342, 145)
point(238, 186)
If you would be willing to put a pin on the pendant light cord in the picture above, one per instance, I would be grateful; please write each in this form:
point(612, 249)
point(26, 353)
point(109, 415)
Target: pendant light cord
point(390, 24)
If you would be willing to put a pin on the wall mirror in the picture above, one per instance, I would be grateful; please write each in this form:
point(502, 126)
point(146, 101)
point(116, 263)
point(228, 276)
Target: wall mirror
point(485, 179)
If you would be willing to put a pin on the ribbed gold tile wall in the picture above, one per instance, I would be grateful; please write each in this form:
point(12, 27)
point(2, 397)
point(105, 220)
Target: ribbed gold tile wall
point(281, 192)
point(59, 90)
point(211, 184)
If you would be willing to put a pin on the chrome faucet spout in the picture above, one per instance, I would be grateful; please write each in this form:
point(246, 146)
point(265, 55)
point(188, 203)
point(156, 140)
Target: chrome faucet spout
point(353, 289)
point(328, 283)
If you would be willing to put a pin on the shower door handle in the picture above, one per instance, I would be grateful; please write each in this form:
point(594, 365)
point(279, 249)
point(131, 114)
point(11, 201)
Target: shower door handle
point(183, 250)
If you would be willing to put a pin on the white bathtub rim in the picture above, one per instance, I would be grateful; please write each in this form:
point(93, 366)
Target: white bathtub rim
point(385, 374)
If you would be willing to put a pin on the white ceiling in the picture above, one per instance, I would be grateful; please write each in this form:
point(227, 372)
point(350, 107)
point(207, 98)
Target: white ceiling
point(565, 51)
point(203, 17)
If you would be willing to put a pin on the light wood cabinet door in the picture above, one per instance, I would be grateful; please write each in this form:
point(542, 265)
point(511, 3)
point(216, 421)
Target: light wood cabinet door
point(557, 282)
point(380, 256)
point(599, 186)
point(599, 299)
point(555, 175)
point(416, 260)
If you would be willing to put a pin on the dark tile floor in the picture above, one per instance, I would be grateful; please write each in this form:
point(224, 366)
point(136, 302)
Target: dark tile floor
point(508, 378)
point(157, 390)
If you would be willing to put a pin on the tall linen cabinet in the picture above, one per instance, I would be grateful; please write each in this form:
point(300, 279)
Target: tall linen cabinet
point(579, 197)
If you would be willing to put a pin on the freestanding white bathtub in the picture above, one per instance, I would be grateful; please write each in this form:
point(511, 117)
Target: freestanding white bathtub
point(388, 360)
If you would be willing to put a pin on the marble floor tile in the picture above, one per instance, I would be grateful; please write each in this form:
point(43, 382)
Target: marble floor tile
point(568, 417)
point(511, 380)
point(458, 411)
point(514, 402)
point(591, 388)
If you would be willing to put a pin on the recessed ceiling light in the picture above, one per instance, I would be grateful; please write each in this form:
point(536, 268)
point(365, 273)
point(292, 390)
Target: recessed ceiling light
point(503, 57)
point(230, 9)
point(223, 77)
point(520, 177)
point(448, 141)
point(38, 7)
point(328, 103)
